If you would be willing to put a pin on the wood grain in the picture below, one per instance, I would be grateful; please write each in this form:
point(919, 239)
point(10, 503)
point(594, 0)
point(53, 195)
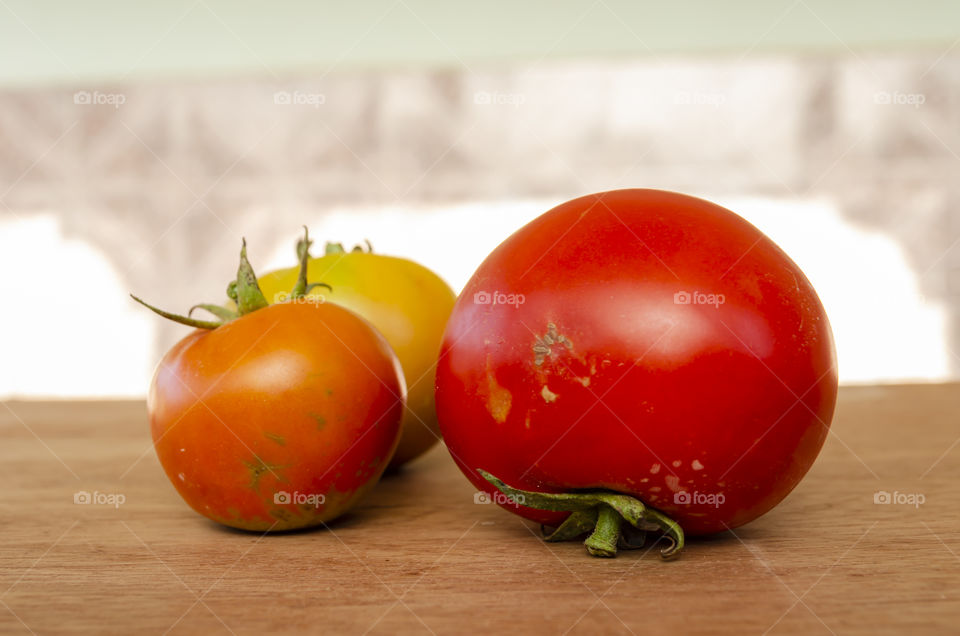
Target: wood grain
point(420, 557)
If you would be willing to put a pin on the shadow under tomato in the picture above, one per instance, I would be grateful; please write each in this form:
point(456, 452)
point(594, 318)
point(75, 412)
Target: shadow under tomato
point(412, 467)
point(725, 537)
point(346, 520)
point(516, 527)
point(377, 505)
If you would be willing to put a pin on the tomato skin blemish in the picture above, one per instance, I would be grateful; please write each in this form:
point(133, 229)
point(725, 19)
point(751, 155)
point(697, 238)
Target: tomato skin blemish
point(673, 482)
point(498, 399)
point(542, 346)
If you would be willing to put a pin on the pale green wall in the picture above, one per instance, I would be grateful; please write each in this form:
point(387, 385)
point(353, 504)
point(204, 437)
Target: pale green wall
point(69, 41)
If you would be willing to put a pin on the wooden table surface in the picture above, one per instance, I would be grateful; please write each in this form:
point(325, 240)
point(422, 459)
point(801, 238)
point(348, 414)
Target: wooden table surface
point(421, 557)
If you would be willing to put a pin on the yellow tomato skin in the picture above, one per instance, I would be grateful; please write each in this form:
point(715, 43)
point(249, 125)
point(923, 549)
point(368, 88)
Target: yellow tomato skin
point(407, 303)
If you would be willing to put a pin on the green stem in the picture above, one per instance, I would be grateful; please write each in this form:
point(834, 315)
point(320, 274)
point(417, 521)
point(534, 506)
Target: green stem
point(671, 530)
point(579, 523)
point(183, 320)
point(219, 311)
point(300, 288)
point(606, 535)
point(244, 291)
point(337, 248)
point(601, 512)
point(249, 297)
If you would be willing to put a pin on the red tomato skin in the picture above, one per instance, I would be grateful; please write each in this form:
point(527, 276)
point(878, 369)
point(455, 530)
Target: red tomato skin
point(728, 403)
point(292, 398)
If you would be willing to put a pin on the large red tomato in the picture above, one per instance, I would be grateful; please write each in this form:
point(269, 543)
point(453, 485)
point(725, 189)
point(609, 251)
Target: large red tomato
point(642, 342)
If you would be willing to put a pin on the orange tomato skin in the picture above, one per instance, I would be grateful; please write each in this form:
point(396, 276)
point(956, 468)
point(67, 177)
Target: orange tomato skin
point(408, 304)
point(281, 419)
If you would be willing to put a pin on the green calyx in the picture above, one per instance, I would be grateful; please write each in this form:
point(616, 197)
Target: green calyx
point(301, 288)
point(613, 520)
point(337, 248)
point(244, 291)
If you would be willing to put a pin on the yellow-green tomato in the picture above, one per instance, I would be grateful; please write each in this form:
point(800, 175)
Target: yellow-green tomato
point(407, 303)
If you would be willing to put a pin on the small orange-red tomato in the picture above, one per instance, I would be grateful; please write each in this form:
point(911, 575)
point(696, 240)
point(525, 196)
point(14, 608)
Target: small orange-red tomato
point(283, 418)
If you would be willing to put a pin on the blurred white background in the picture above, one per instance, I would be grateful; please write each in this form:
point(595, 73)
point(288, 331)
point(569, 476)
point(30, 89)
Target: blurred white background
point(138, 144)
